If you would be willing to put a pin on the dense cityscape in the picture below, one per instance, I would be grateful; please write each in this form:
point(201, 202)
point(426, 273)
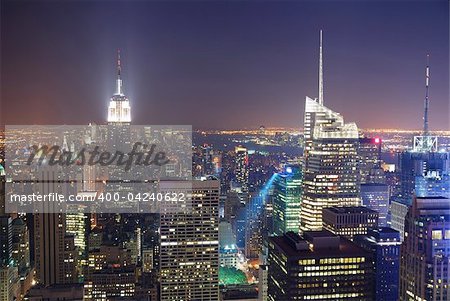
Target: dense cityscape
point(324, 211)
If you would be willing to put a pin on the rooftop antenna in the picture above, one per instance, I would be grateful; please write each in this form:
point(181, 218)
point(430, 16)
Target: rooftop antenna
point(119, 79)
point(427, 101)
point(426, 142)
point(320, 71)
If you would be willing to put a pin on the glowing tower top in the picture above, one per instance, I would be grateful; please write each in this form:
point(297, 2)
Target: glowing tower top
point(119, 105)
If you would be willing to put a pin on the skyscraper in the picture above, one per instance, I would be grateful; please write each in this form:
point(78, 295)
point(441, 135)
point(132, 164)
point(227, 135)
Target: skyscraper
point(51, 246)
point(369, 155)
point(9, 283)
point(262, 282)
point(5, 240)
point(190, 247)
point(21, 245)
point(228, 251)
point(118, 138)
point(376, 197)
point(253, 227)
point(330, 176)
point(76, 226)
point(384, 243)
point(119, 110)
point(318, 266)
point(287, 200)
point(242, 169)
point(425, 260)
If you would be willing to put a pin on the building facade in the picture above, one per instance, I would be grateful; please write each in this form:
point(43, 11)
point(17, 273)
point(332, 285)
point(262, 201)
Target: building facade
point(376, 197)
point(287, 200)
point(398, 211)
point(242, 168)
point(369, 154)
point(21, 246)
point(349, 221)
point(228, 251)
point(384, 243)
point(425, 261)
point(318, 266)
point(189, 260)
point(424, 174)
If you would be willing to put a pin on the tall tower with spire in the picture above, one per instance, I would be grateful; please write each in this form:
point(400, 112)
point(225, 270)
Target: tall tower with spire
point(330, 173)
point(119, 110)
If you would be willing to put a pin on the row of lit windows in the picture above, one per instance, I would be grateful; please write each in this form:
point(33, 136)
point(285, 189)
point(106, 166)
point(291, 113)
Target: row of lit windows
point(437, 234)
point(333, 296)
point(332, 267)
point(342, 260)
point(331, 273)
point(307, 262)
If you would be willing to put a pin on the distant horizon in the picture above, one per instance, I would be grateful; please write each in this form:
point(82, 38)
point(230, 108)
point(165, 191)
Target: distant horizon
point(301, 128)
point(270, 128)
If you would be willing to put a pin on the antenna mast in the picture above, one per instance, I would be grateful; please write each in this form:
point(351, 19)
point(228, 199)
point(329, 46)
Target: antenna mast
point(427, 101)
point(320, 71)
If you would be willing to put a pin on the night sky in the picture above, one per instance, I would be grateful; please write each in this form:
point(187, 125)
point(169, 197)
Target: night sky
point(226, 65)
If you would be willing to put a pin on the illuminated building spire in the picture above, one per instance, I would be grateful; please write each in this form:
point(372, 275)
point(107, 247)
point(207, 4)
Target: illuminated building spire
point(427, 101)
point(320, 71)
point(119, 106)
point(119, 79)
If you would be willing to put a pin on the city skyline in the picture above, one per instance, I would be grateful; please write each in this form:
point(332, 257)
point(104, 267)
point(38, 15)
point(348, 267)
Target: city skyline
point(224, 150)
point(79, 80)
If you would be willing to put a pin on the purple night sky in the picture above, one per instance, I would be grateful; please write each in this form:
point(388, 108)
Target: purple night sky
point(228, 65)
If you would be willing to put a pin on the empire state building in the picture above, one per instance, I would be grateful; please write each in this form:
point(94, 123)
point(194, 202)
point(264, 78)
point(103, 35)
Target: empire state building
point(119, 105)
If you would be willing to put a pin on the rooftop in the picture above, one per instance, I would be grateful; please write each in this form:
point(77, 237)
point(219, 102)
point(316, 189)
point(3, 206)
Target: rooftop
point(432, 203)
point(350, 210)
point(320, 243)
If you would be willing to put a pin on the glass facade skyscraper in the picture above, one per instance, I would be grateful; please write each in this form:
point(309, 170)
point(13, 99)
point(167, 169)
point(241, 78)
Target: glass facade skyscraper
point(287, 200)
point(331, 176)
